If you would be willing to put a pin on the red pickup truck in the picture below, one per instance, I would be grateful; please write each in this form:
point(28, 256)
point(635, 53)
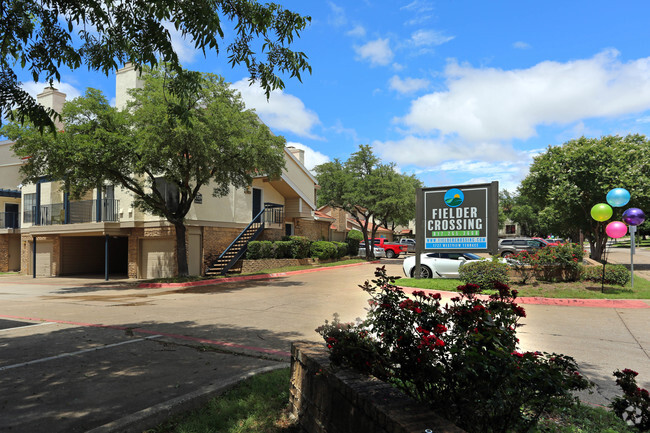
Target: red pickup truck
point(392, 249)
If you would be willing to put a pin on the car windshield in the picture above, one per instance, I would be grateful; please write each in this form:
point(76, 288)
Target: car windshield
point(471, 256)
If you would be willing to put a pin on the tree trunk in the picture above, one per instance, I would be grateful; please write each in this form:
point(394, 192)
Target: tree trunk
point(181, 249)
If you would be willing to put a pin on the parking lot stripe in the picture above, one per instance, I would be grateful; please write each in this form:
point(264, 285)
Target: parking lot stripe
point(66, 355)
point(146, 331)
point(27, 326)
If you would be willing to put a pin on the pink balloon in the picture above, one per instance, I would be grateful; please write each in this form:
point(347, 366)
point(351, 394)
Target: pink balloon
point(616, 229)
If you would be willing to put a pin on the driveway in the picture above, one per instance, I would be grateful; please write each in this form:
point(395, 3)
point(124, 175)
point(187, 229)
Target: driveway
point(77, 353)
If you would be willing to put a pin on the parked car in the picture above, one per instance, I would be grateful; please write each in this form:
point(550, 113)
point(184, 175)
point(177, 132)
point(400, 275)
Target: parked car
point(551, 242)
point(438, 265)
point(391, 249)
point(410, 244)
point(379, 251)
point(512, 246)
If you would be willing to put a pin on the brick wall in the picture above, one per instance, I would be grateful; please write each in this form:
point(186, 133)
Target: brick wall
point(334, 400)
point(250, 266)
point(311, 229)
point(4, 253)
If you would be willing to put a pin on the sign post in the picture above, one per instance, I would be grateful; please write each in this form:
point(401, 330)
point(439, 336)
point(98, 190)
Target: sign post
point(462, 218)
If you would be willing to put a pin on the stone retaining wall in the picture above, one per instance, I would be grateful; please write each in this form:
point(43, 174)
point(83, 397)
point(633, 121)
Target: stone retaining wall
point(326, 399)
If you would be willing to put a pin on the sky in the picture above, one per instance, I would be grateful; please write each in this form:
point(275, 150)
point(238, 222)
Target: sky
point(455, 92)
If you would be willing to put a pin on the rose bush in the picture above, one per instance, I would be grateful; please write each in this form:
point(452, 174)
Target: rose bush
point(553, 263)
point(461, 358)
point(634, 405)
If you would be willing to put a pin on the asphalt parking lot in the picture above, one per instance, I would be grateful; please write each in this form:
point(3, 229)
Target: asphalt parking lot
point(80, 354)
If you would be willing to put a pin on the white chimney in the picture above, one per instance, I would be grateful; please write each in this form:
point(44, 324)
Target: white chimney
point(298, 153)
point(126, 78)
point(52, 98)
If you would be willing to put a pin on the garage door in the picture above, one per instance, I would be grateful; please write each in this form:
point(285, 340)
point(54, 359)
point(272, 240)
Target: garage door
point(157, 258)
point(44, 255)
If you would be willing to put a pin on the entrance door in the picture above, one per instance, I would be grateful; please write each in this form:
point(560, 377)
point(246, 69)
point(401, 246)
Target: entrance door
point(257, 201)
point(11, 215)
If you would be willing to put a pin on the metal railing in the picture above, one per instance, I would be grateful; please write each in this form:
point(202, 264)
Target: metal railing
point(9, 220)
point(83, 211)
point(273, 213)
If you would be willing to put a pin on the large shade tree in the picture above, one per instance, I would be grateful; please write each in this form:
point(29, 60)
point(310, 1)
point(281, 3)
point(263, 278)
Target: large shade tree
point(46, 37)
point(566, 181)
point(372, 192)
point(199, 133)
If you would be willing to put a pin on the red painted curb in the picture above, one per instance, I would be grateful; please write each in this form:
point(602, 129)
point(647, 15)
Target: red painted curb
point(247, 277)
point(590, 303)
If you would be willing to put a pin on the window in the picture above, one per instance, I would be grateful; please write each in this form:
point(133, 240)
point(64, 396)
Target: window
point(29, 207)
point(511, 229)
point(169, 192)
point(506, 242)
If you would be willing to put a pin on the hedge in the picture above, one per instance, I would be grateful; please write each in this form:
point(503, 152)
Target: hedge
point(296, 247)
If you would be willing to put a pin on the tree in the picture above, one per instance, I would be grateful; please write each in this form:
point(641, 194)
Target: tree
point(197, 134)
point(370, 191)
point(566, 181)
point(45, 35)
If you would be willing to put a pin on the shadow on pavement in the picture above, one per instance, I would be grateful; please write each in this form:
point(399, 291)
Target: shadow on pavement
point(75, 388)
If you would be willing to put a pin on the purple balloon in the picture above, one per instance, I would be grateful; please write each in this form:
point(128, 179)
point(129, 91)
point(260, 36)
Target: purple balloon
point(633, 216)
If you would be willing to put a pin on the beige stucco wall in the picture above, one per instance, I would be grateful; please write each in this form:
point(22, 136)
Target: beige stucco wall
point(9, 166)
point(299, 177)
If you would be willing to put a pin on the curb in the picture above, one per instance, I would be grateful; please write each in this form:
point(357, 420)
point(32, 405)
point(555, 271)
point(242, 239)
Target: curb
point(590, 303)
point(248, 277)
point(150, 417)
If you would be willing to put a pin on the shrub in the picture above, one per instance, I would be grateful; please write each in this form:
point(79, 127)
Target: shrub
point(355, 234)
point(253, 251)
point(558, 263)
point(341, 249)
point(523, 264)
point(266, 249)
point(282, 249)
point(353, 246)
point(323, 250)
point(462, 358)
point(300, 247)
point(614, 274)
point(484, 273)
point(634, 406)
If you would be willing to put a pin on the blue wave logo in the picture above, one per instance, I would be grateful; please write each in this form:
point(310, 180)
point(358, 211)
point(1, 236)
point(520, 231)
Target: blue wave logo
point(454, 197)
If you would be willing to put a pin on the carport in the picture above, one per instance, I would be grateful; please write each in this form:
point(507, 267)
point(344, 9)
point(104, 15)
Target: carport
point(88, 255)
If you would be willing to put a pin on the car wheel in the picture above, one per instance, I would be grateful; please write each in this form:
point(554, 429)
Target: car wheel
point(507, 254)
point(390, 254)
point(425, 272)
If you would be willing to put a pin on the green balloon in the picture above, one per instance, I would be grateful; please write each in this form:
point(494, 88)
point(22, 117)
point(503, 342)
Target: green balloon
point(601, 212)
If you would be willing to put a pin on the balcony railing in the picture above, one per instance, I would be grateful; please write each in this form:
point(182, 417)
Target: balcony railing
point(273, 213)
point(83, 211)
point(9, 220)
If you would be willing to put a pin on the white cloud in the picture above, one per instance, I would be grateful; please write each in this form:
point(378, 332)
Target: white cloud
point(337, 17)
point(418, 6)
point(183, 47)
point(427, 38)
point(488, 104)
point(377, 52)
point(34, 89)
point(429, 151)
point(357, 31)
point(281, 111)
point(408, 85)
point(312, 157)
point(521, 45)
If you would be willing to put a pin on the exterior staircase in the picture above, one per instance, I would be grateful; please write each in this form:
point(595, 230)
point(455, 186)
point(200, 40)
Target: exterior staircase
point(272, 213)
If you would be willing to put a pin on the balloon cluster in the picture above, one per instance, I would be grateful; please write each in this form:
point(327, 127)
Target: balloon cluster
point(618, 197)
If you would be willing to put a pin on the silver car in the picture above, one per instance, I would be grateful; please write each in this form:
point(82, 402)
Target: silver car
point(379, 252)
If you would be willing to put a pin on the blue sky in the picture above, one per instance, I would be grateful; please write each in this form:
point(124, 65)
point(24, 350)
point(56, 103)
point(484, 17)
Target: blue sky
point(454, 91)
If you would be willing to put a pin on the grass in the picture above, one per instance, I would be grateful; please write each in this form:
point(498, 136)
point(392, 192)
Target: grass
point(582, 419)
point(256, 405)
point(259, 405)
point(573, 290)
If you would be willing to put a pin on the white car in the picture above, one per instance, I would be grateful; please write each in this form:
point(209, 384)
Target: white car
point(438, 265)
point(379, 251)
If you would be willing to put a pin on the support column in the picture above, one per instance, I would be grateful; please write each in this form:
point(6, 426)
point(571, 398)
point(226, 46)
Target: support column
point(34, 256)
point(106, 257)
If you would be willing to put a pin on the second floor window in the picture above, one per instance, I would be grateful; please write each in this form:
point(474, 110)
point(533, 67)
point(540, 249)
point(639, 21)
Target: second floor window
point(29, 206)
point(169, 191)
